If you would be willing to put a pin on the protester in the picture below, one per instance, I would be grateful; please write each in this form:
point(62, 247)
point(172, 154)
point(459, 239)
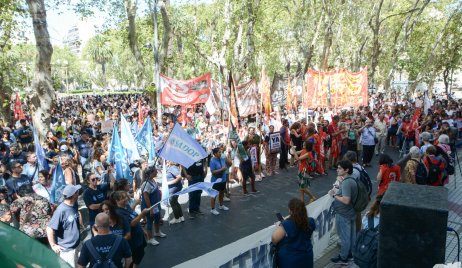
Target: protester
point(118, 225)
point(34, 214)
point(105, 246)
point(306, 166)
point(63, 229)
point(137, 241)
point(94, 195)
point(5, 214)
point(368, 135)
point(196, 173)
point(381, 126)
point(247, 170)
point(388, 172)
point(293, 237)
point(410, 169)
point(150, 198)
point(218, 166)
point(435, 166)
point(175, 184)
point(345, 214)
point(285, 144)
point(16, 180)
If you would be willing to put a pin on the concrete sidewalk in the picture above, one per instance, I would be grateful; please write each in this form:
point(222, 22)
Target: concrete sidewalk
point(454, 221)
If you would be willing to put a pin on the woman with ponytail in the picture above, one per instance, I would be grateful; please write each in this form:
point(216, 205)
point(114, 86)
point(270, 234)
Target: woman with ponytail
point(292, 237)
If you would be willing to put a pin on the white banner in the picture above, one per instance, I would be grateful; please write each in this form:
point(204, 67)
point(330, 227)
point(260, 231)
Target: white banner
point(253, 250)
point(275, 142)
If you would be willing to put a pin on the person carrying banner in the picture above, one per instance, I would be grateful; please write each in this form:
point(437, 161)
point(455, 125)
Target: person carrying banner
point(218, 167)
point(272, 146)
point(194, 174)
point(175, 184)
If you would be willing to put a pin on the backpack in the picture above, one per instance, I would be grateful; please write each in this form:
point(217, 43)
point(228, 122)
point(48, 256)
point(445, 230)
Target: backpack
point(366, 246)
point(450, 170)
point(106, 262)
point(366, 180)
point(361, 199)
point(421, 174)
point(435, 166)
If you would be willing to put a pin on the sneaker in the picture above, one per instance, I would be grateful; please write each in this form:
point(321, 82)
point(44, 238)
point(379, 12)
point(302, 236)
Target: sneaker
point(174, 221)
point(153, 242)
point(199, 212)
point(255, 191)
point(339, 260)
point(223, 207)
point(226, 199)
point(258, 179)
point(181, 218)
point(160, 234)
point(214, 212)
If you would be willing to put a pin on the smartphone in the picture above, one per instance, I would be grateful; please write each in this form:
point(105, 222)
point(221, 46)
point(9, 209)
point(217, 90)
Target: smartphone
point(279, 216)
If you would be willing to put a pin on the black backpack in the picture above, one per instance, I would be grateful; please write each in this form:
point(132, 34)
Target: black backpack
point(366, 180)
point(421, 174)
point(366, 246)
point(450, 170)
point(106, 262)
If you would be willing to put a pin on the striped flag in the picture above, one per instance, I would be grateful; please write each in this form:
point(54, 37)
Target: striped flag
point(58, 184)
point(233, 109)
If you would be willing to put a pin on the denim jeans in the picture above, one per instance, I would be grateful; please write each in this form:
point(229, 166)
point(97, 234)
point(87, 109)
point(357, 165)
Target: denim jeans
point(346, 231)
point(195, 196)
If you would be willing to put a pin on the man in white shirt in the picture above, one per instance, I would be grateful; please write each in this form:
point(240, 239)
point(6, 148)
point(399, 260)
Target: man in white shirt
point(381, 126)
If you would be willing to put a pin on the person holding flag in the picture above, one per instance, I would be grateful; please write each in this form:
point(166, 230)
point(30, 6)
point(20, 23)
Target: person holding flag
point(218, 167)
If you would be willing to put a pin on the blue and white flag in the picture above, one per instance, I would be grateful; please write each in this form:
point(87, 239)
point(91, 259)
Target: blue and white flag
point(58, 184)
point(144, 140)
point(207, 187)
point(118, 156)
point(181, 148)
point(127, 140)
point(41, 161)
point(200, 186)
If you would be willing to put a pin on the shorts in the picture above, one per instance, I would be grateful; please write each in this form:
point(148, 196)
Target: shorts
point(138, 254)
point(221, 186)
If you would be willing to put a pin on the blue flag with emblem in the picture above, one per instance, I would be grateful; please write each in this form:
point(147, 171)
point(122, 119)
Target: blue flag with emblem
point(144, 140)
point(118, 157)
point(41, 161)
point(181, 148)
point(128, 141)
point(58, 184)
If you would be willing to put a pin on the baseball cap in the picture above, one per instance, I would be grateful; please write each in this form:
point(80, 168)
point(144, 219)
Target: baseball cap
point(70, 190)
point(63, 148)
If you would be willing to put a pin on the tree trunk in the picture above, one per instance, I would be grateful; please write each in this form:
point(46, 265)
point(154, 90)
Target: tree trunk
point(446, 81)
point(43, 98)
point(130, 7)
point(375, 42)
point(5, 104)
point(167, 39)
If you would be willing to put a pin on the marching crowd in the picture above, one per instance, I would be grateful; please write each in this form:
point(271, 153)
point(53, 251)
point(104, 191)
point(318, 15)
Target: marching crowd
point(320, 141)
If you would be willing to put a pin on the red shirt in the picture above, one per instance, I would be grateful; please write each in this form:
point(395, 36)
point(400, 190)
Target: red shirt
point(389, 174)
point(407, 129)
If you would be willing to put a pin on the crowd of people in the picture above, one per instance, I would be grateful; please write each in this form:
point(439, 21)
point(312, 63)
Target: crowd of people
point(319, 142)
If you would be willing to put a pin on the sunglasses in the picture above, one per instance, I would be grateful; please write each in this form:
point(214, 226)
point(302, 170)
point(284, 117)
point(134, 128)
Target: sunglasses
point(93, 179)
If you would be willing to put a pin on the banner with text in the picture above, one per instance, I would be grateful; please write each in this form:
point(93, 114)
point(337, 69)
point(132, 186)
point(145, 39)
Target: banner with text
point(247, 97)
point(336, 89)
point(253, 250)
point(185, 92)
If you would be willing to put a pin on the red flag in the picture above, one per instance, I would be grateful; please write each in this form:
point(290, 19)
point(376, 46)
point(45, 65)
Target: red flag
point(140, 114)
point(18, 112)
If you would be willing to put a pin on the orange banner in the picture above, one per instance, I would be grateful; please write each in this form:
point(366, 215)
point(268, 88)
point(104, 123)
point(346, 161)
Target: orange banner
point(265, 92)
point(336, 89)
